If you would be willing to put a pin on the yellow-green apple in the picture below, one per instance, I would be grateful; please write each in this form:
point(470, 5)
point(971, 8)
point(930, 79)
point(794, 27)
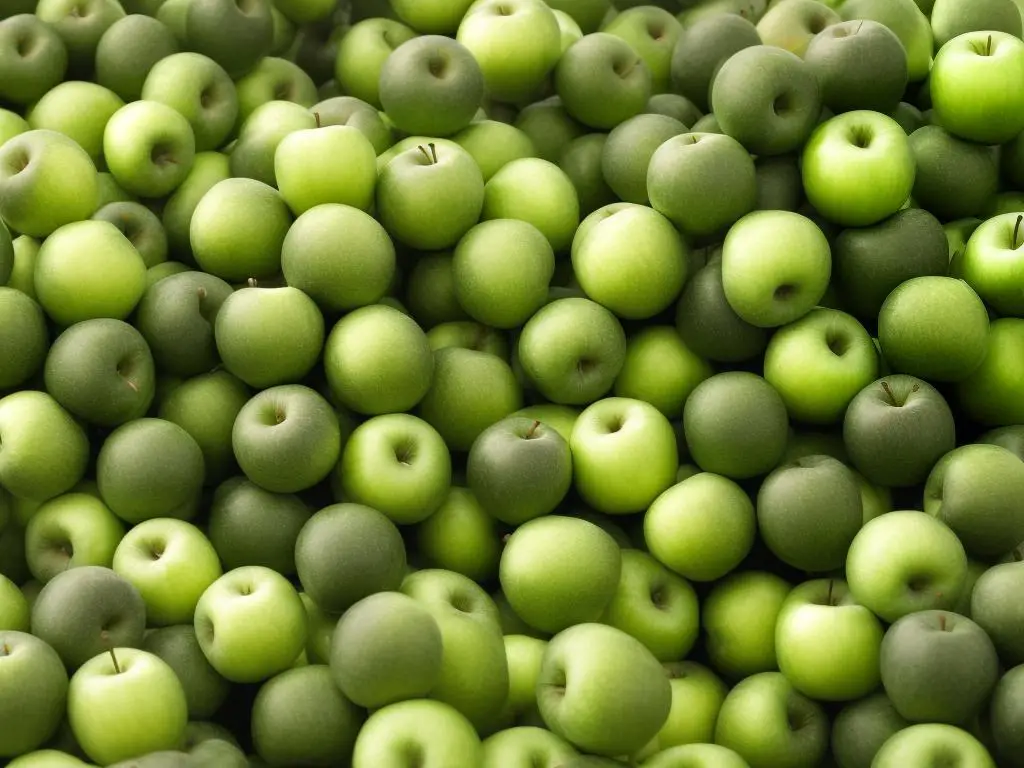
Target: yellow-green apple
point(469, 334)
point(679, 370)
point(45, 451)
point(697, 755)
point(70, 531)
point(79, 110)
point(431, 729)
point(33, 58)
point(501, 272)
point(739, 615)
point(331, 164)
point(207, 169)
point(735, 424)
point(520, 468)
point(793, 24)
point(80, 27)
point(767, 721)
point(992, 263)
point(538, 192)
point(525, 655)
point(617, 437)
point(847, 151)
point(494, 144)
point(149, 148)
point(474, 669)
point(15, 612)
point(602, 690)
point(767, 98)
point(348, 110)
point(286, 438)
point(428, 196)
point(991, 395)
point(300, 716)
point(602, 80)
point(569, 28)
point(46, 181)
point(917, 744)
point(523, 746)
point(938, 667)
point(34, 692)
point(967, 85)
point(572, 350)
point(434, 17)
point(703, 182)
point(205, 690)
point(461, 536)
point(396, 463)
point(697, 696)
point(559, 571)
point(126, 703)
point(653, 32)
point(86, 611)
point(141, 226)
point(101, 370)
point(893, 580)
point(589, 14)
point(386, 648)
point(362, 51)
point(630, 259)
point(252, 153)
point(251, 624)
point(11, 124)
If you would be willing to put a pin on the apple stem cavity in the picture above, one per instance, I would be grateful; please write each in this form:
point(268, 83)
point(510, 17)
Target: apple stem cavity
point(113, 658)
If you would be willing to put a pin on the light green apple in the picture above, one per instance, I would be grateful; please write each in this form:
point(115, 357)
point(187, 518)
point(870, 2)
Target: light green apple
point(660, 369)
point(71, 530)
point(149, 148)
point(432, 729)
point(332, 164)
point(906, 19)
point(697, 696)
point(80, 110)
point(538, 192)
point(362, 51)
point(991, 395)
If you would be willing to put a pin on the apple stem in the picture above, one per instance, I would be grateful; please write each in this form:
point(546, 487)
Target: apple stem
point(113, 657)
point(988, 46)
point(252, 282)
point(888, 391)
point(533, 429)
point(1016, 231)
point(318, 123)
point(831, 583)
point(433, 151)
point(942, 622)
point(857, 31)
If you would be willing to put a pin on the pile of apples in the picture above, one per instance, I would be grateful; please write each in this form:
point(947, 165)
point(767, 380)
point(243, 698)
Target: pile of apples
point(511, 383)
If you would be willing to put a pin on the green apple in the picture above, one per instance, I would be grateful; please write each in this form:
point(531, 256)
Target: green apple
point(494, 144)
point(24, 337)
point(589, 14)
point(619, 437)
point(469, 334)
point(904, 18)
point(862, 727)
point(735, 424)
point(33, 57)
point(951, 19)
point(300, 716)
point(921, 743)
point(525, 746)
point(45, 451)
point(697, 696)
point(893, 580)
point(653, 32)
point(396, 463)
point(362, 51)
point(386, 648)
point(767, 98)
point(34, 692)
point(630, 259)
point(626, 155)
point(955, 179)
point(559, 571)
point(581, 161)
point(15, 615)
point(549, 126)
point(602, 80)
point(348, 110)
point(79, 110)
point(126, 703)
point(516, 42)
point(87, 610)
point(938, 667)
point(990, 394)
point(46, 181)
point(69, 531)
point(858, 168)
point(171, 563)
point(993, 607)
point(793, 24)
point(431, 85)
point(432, 730)
point(703, 182)
point(992, 263)
point(968, 86)
point(80, 26)
point(11, 124)
point(332, 164)
point(827, 644)
point(536, 191)
point(237, 229)
point(474, 675)
point(205, 690)
point(252, 153)
point(207, 169)
point(252, 526)
point(739, 616)
point(572, 350)
point(697, 755)
point(660, 369)
point(251, 624)
point(1004, 714)
point(776, 266)
point(654, 605)
point(435, 17)
point(430, 195)
point(525, 656)
point(141, 226)
point(286, 438)
point(461, 536)
point(149, 148)
point(234, 36)
point(602, 690)
point(767, 721)
point(129, 49)
point(702, 49)
point(101, 370)
point(519, 468)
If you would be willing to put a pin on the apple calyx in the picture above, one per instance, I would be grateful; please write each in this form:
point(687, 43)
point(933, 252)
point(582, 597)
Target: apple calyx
point(431, 155)
point(113, 658)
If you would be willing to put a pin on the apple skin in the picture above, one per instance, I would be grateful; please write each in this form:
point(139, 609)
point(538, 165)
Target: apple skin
point(619, 437)
point(776, 266)
point(702, 527)
point(24, 338)
point(697, 696)
point(739, 615)
point(79, 110)
point(15, 612)
point(1005, 713)
point(543, 575)
point(858, 168)
point(362, 51)
point(205, 690)
point(626, 154)
point(992, 263)
point(793, 26)
point(768, 722)
point(660, 369)
point(602, 690)
point(27, 77)
point(536, 191)
point(918, 744)
point(827, 645)
point(432, 729)
point(36, 685)
point(894, 581)
point(124, 704)
point(991, 395)
point(68, 531)
point(703, 47)
point(861, 728)
point(602, 81)
point(819, 363)
point(993, 608)
point(525, 746)
point(251, 624)
point(525, 655)
point(149, 148)
point(696, 755)
point(968, 90)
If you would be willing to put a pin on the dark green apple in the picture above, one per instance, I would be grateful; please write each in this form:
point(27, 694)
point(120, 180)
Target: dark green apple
point(991, 395)
point(235, 35)
point(955, 179)
point(80, 25)
point(24, 337)
point(627, 153)
point(703, 48)
point(1006, 711)
point(205, 690)
point(141, 226)
point(128, 50)
point(549, 126)
point(950, 18)
point(862, 727)
point(602, 80)
point(35, 694)
point(996, 610)
point(33, 58)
